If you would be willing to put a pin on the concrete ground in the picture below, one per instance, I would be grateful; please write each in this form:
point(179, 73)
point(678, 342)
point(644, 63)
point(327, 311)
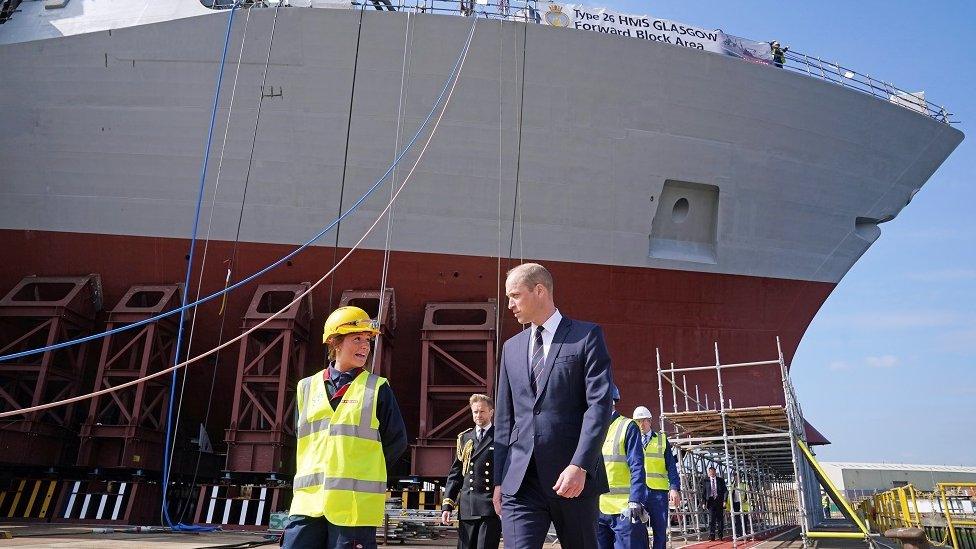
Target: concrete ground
point(44, 535)
point(63, 536)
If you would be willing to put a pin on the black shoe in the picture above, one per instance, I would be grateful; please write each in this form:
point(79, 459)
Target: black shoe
point(711, 538)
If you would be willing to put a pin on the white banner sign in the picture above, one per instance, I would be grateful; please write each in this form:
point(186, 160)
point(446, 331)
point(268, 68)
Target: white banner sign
point(649, 28)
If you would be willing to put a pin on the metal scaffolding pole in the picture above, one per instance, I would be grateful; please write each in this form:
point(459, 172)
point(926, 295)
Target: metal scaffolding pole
point(791, 408)
point(755, 444)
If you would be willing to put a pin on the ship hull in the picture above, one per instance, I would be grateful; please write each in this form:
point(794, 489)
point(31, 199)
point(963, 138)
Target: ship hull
point(682, 314)
point(681, 198)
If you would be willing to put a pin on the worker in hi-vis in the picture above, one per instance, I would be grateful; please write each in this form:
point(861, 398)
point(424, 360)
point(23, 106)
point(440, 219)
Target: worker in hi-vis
point(661, 470)
point(739, 501)
point(620, 524)
point(349, 433)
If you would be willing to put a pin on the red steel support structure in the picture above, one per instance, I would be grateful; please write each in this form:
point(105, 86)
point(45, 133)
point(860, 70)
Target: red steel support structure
point(261, 437)
point(458, 359)
point(125, 429)
point(369, 301)
point(41, 311)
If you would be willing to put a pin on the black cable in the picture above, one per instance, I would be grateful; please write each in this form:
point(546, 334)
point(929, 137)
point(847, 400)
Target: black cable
point(518, 148)
point(518, 169)
point(345, 158)
point(245, 544)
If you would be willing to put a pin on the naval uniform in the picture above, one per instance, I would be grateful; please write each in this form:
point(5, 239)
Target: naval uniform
point(470, 485)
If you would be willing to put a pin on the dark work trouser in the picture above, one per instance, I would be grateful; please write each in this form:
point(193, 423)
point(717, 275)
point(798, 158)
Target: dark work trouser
point(657, 507)
point(318, 533)
point(614, 532)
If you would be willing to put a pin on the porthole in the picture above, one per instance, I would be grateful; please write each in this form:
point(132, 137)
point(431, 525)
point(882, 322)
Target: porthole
point(680, 210)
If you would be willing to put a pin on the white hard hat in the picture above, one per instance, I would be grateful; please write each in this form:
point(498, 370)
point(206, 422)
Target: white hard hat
point(641, 412)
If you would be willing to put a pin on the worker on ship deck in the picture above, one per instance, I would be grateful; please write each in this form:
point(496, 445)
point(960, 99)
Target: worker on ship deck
point(661, 472)
point(621, 521)
point(350, 433)
point(779, 53)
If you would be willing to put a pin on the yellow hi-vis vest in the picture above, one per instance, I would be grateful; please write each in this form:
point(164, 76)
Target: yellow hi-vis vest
point(618, 472)
point(743, 490)
point(341, 470)
point(654, 465)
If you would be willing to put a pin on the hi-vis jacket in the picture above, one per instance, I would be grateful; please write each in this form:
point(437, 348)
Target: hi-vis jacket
point(341, 469)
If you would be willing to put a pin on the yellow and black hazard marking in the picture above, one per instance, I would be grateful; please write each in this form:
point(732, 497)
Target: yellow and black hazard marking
point(27, 499)
point(233, 506)
point(833, 493)
point(415, 499)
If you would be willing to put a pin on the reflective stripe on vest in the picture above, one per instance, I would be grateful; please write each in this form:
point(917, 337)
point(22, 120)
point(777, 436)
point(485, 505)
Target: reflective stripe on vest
point(618, 472)
point(319, 479)
point(655, 468)
point(341, 468)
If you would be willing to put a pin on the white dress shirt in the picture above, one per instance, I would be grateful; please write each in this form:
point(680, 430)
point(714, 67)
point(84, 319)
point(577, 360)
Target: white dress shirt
point(484, 431)
point(548, 332)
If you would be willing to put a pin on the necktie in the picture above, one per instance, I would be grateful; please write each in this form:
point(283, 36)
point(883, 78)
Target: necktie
point(644, 440)
point(538, 362)
point(481, 433)
point(714, 492)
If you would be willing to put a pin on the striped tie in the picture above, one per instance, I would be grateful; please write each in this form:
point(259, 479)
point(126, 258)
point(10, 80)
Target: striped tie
point(538, 359)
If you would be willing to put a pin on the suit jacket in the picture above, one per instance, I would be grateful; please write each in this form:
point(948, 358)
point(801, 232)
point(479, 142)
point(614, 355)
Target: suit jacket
point(706, 487)
point(472, 491)
point(566, 421)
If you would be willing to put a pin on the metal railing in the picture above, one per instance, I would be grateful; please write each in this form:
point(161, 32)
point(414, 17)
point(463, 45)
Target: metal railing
point(532, 11)
point(947, 515)
point(844, 76)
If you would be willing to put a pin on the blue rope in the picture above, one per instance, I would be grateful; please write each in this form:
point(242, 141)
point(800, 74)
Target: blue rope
point(189, 270)
point(277, 263)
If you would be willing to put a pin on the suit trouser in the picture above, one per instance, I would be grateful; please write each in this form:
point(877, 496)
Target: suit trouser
point(614, 532)
point(527, 513)
point(657, 507)
point(479, 533)
point(318, 533)
point(716, 517)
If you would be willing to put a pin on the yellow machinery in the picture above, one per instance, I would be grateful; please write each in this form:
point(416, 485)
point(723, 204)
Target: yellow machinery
point(946, 515)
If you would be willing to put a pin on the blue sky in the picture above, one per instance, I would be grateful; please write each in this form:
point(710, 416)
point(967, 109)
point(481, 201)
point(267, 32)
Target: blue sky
point(886, 370)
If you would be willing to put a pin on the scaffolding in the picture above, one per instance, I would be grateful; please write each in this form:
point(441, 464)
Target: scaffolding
point(757, 445)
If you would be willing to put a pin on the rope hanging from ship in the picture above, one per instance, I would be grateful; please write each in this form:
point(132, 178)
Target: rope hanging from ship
point(177, 349)
point(170, 440)
point(387, 245)
point(447, 94)
point(277, 263)
point(345, 151)
point(171, 428)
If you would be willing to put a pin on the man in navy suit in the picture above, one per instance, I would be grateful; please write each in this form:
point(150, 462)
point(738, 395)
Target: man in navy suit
point(551, 418)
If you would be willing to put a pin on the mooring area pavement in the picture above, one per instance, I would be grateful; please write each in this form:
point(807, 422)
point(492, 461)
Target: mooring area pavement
point(25, 535)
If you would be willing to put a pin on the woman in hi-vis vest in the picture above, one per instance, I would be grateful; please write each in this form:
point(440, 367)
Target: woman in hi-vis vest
point(349, 432)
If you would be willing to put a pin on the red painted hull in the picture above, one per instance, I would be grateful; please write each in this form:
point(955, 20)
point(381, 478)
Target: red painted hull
point(681, 313)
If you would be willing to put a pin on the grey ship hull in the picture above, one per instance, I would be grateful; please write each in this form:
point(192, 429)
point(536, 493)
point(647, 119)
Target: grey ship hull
point(785, 177)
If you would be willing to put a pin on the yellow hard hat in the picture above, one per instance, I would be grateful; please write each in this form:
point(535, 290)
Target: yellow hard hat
point(349, 320)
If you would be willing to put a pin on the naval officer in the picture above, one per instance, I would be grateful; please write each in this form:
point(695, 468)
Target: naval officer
point(470, 483)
